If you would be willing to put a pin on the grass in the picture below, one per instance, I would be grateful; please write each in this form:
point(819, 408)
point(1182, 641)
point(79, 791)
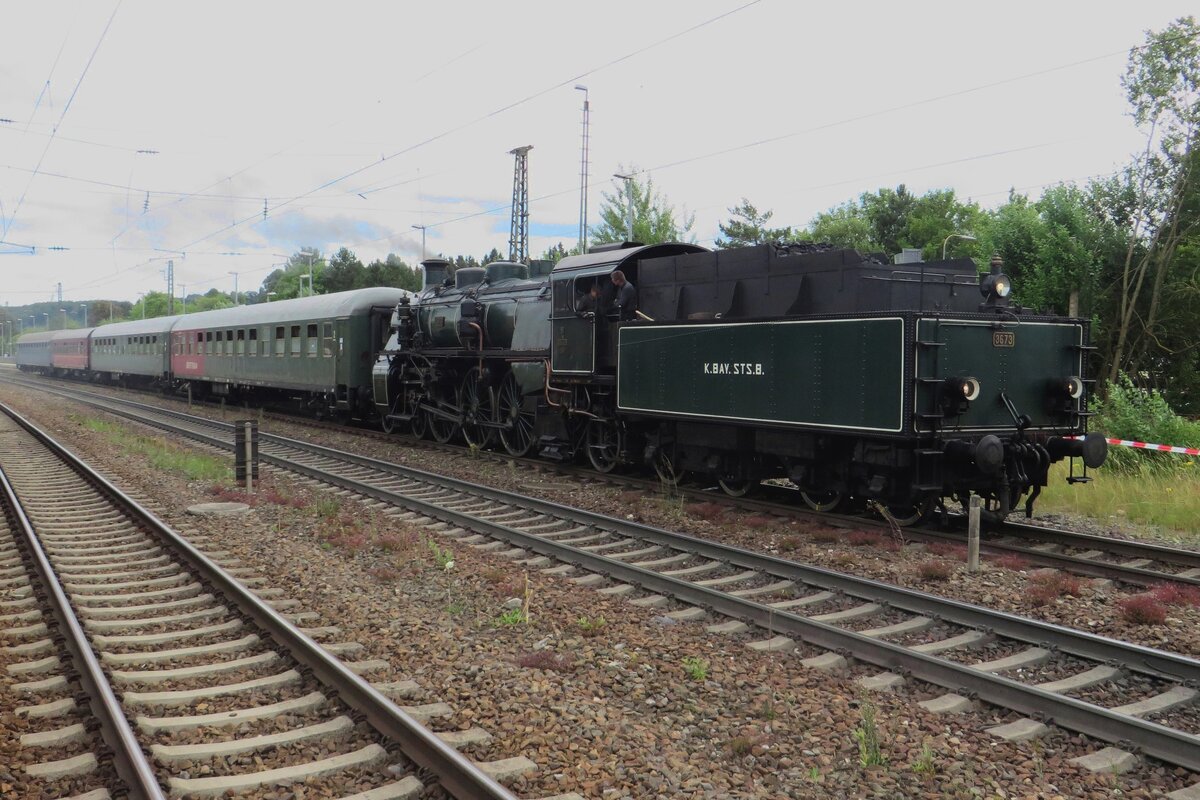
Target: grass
point(163, 455)
point(870, 754)
point(695, 667)
point(1170, 501)
point(935, 569)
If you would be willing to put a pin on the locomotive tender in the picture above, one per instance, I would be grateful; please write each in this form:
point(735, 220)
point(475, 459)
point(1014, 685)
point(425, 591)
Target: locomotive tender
point(852, 377)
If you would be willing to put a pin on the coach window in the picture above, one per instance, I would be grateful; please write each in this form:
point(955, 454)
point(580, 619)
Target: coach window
point(219, 346)
point(241, 341)
point(280, 340)
point(328, 339)
point(311, 336)
point(295, 343)
point(252, 348)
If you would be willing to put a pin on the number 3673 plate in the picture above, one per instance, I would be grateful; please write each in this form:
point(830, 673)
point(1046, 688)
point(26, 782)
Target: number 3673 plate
point(1004, 339)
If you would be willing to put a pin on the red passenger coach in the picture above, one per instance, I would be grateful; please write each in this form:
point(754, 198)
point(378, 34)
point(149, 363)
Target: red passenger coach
point(187, 354)
point(69, 349)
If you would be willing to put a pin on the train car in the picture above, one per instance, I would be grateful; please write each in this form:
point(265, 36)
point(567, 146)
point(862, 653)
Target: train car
point(33, 352)
point(135, 352)
point(312, 354)
point(854, 378)
point(69, 351)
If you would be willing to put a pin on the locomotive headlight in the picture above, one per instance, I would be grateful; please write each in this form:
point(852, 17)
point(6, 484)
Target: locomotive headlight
point(1073, 387)
point(962, 388)
point(995, 285)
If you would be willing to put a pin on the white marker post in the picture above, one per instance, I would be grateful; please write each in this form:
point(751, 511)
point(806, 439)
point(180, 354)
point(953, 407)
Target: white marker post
point(973, 534)
point(250, 479)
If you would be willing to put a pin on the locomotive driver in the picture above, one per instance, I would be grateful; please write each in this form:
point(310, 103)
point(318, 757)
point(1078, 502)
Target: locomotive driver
point(625, 301)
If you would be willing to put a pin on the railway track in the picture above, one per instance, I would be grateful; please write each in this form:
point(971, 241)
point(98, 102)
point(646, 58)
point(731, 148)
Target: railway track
point(1125, 561)
point(200, 687)
point(1141, 698)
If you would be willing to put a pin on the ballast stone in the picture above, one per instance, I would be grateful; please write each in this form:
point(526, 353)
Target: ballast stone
point(218, 509)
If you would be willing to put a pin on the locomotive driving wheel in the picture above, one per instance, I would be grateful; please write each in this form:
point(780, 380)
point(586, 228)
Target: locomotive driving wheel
point(517, 432)
point(737, 488)
point(420, 424)
point(822, 501)
point(478, 403)
point(604, 441)
point(664, 467)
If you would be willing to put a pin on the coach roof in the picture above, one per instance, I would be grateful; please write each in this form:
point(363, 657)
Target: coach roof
point(321, 306)
point(137, 327)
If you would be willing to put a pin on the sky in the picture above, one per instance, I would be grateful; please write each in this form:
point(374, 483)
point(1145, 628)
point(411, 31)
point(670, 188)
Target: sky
point(135, 131)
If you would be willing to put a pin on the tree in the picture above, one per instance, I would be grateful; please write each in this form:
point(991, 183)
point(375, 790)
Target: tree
point(287, 282)
point(842, 226)
point(748, 226)
point(345, 272)
point(653, 217)
point(1162, 84)
point(891, 220)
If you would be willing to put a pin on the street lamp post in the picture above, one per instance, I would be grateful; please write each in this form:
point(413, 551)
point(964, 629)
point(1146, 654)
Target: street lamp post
point(46, 314)
point(964, 236)
point(142, 295)
point(270, 295)
point(583, 171)
point(85, 313)
point(183, 297)
point(310, 283)
point(235, 288)
point(421, 228)
point(628, 199)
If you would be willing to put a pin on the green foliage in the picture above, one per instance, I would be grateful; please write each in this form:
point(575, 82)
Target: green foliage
point(748, 226)
point(1130, 412)
point(890, 220)
point(161, 454)
point(695, 667)
point(924, 764)
point(443, 557)
point(653, 217)
point(591, 626)
point(512, 616)
point(867, 736)
point(327, 508)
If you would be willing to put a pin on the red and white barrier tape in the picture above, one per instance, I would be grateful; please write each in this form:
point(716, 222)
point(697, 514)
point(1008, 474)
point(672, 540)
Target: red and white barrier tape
point(1160, 448)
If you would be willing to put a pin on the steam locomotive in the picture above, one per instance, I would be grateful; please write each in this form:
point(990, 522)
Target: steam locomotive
point(903, 384)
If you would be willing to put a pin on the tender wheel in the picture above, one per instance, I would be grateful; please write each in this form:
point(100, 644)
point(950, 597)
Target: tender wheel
point(822, 501)
point(735, 488)
point(908, 514)
point(603, 445)
point(388, 425)
point(478, 403)
point(517, 435)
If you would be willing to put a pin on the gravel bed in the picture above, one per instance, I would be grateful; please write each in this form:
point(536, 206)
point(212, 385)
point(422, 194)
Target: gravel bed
point(611, 711)
point(1185, 718)
point(1125, 688)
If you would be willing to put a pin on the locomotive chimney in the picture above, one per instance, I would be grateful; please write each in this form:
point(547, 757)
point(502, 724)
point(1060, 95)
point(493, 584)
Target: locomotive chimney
point(434, 271)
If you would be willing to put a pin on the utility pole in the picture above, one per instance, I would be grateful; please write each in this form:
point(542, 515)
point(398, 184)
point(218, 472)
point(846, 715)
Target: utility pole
point(421, 228)
point(235, 289)
point(628, 201)
point(583, 173)
point(170, 288)
point(60, 291)
point(85, 313)
point(183, 297)
point(518, 236)
point(310, 283)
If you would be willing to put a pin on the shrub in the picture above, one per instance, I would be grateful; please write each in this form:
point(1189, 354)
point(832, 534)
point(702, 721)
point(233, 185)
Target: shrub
point(1044, 587)
point(383, 574)
point(1177, 594)
point(591, 626)
point(706, 511)
point(1130, 412)
point(948, 549)
point(935, 569)
point(1012, 561)
point(827, 536)
point(860, 538)
point(789, 543)
point(393, 542)
point(1143, 609)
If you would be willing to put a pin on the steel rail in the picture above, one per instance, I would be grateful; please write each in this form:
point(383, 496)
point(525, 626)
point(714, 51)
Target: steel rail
point(1172, 746)
point(129, 761)
point(455, 772)
point(1138, 576)
point(1147, 660)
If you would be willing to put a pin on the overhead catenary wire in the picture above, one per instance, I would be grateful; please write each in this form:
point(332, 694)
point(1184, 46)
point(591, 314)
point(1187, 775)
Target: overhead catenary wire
point(66, 107)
